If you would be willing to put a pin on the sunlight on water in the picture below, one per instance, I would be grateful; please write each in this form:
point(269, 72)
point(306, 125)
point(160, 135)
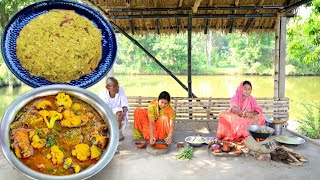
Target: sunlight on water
point(298, 89)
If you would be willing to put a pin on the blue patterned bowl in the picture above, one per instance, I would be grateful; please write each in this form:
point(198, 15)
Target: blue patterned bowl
point(24, 16)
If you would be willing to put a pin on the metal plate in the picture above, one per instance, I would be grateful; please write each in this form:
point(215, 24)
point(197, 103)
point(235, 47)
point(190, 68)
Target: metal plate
point(293, 140)
point(24, 16)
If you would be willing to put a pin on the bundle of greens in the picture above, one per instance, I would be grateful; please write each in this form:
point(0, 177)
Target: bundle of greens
point(186, 153)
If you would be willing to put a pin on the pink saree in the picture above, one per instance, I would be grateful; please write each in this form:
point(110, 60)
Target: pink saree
point(232, 127)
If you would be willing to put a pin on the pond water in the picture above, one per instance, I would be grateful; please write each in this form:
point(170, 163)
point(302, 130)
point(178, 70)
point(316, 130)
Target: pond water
point(298, 89)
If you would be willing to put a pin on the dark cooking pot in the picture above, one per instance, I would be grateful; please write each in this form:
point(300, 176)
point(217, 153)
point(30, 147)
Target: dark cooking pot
point(254, 131)
point(80, 93)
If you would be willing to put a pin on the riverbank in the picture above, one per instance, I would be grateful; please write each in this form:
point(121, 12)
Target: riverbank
point(298, 89)
point(8, 79)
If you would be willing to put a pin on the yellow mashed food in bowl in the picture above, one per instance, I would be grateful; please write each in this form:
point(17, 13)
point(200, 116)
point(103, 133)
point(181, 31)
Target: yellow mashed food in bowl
point(59, 46)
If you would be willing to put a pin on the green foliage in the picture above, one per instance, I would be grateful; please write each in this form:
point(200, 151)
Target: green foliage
point(221, 51)
point(304, 41)
point(3, 80)
point(9, 7)
point(309, 122)
point(1, 58)
point(252, 48)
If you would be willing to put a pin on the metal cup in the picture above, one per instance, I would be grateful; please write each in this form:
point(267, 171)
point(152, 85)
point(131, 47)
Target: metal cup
point(278, 129)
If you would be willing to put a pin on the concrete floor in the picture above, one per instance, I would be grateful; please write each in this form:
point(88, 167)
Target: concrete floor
point(138, 164)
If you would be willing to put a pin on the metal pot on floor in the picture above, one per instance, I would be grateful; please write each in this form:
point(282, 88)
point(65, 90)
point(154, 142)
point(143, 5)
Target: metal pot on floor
point(276, 126)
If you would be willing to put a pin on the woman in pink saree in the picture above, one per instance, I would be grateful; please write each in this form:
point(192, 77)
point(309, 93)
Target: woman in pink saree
point(244, 111)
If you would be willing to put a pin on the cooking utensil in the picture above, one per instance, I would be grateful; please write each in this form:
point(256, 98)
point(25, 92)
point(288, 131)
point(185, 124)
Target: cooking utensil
point(24, 16)
point(195, 141)
point(180, 144)
point(290, 139)
point(276, 126)
point(254, 128)
point(85, 95)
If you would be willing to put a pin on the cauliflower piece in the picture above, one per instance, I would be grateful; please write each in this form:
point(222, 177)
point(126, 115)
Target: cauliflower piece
point(68, 114)
point(67, 163)
point(98, 140)
point(56, 155)
point(44, 114)
point(64, 100)
point(38, 142)
point(53, 115)
point(75, 121)
point(43, 104)
point(71, 120)
point(95, 152)
point(76, 168)
point(76, 106)
point(81, 151)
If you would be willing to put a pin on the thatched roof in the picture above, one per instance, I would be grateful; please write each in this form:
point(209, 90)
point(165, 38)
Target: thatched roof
point(171, 16)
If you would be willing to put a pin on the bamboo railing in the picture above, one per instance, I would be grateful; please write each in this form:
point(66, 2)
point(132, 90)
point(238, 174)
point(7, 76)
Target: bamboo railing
point(207, 109)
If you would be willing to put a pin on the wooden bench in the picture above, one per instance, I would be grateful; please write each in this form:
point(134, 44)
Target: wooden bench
point(207, 109)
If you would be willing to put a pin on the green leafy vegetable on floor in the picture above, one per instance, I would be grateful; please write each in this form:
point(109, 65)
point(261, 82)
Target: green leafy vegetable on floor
point(186, 153)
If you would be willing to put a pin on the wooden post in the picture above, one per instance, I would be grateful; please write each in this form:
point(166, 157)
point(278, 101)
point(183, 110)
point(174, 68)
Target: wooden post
point(190, 94)
point(282, 65)
point(189, 61)
point(280, 57)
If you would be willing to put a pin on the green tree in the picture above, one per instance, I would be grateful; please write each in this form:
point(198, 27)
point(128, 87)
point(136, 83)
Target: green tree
point(304, 41)
point(9, 7)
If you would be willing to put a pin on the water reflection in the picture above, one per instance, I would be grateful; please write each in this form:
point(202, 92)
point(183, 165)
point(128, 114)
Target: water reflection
point(298, 89)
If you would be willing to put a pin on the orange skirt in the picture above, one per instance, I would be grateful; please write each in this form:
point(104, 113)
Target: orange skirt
point(141, 129)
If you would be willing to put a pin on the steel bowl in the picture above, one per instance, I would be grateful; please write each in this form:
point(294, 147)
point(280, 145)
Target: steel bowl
point(78, 92)
point(193, 143)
